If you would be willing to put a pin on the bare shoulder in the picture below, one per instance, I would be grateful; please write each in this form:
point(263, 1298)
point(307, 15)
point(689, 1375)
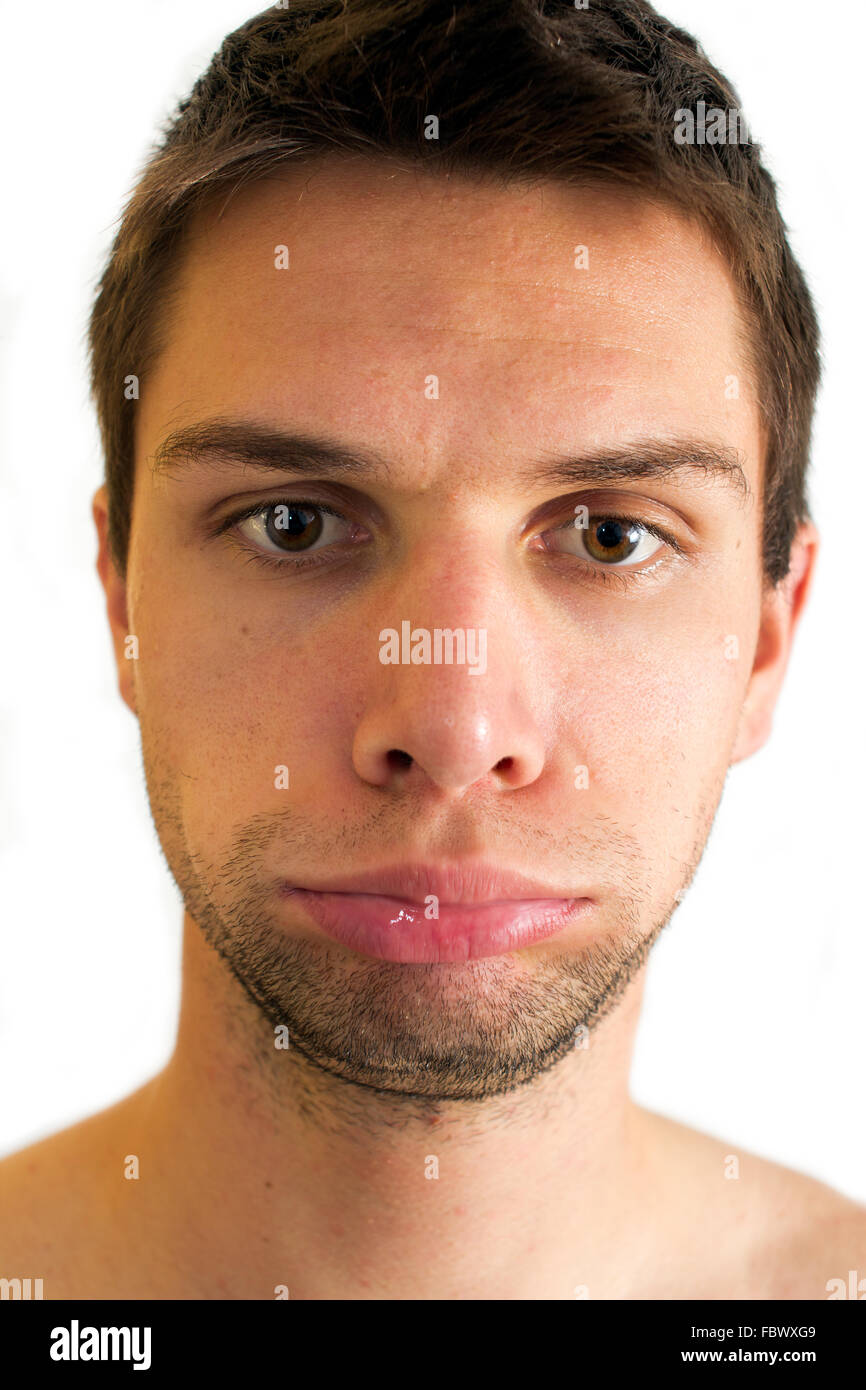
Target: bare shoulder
point(54, 1195)
point(773, 1232)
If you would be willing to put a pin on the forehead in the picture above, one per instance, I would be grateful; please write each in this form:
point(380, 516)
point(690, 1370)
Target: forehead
point(549, 314)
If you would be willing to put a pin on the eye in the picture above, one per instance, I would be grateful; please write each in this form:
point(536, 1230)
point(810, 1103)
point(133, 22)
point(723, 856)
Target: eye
point(288, 528)
point(613, 541)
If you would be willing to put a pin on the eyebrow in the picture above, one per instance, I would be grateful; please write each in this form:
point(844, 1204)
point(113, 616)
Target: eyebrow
point(222, 442)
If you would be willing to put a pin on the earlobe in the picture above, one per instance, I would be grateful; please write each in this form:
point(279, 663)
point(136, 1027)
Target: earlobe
point(124, 643)
point(781, 610)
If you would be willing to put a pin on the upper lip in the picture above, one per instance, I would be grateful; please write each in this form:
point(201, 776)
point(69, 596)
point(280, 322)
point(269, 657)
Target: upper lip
point(474, 882)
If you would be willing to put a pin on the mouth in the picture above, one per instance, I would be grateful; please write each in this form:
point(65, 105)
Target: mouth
point(437, 916)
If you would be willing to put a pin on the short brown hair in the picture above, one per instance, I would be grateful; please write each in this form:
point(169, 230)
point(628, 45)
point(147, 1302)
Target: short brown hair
point(523, 89)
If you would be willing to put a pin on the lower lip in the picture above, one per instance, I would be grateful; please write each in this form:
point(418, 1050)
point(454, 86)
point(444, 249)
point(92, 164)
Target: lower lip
point(397, 930)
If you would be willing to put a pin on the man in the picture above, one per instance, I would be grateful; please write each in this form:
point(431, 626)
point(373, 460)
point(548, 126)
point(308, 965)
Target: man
point(456, 398)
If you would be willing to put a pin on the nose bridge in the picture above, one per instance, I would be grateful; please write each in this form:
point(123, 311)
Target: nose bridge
point(454, 578)
point(450, 692)
point(448, 609)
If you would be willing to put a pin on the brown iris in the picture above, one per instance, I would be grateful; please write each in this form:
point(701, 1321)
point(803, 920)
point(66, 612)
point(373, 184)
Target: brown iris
point(293, 527)
point(610, 539)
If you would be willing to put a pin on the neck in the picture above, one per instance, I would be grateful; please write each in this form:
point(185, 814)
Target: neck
point(281, 1174)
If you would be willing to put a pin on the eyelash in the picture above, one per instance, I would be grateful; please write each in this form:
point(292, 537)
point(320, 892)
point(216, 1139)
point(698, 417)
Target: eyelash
point(599, 573)
point(275, 562)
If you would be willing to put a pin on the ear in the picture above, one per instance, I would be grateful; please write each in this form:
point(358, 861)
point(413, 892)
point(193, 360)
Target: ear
point(781, 609)
point(125, 652)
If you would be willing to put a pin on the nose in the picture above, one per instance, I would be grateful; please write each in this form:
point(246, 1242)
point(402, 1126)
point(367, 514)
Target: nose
point(452, 723)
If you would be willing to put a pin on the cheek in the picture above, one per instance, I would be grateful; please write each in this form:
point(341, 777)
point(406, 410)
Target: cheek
point(655, 722)
point(248, 716)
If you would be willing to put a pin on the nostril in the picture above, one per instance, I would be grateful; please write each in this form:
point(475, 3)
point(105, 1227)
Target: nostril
point(504, 765)
point(398, 759)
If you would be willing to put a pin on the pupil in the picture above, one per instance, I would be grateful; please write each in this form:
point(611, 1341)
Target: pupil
point(293, 528)
point(609, 534)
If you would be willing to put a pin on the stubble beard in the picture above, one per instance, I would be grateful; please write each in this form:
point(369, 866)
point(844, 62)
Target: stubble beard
point(443, 1032)
point(436, 1032)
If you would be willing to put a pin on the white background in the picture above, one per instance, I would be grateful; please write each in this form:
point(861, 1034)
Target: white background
point(753, 1023)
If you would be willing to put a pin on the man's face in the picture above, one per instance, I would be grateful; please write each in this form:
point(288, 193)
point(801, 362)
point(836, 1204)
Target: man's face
point(445, 326)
